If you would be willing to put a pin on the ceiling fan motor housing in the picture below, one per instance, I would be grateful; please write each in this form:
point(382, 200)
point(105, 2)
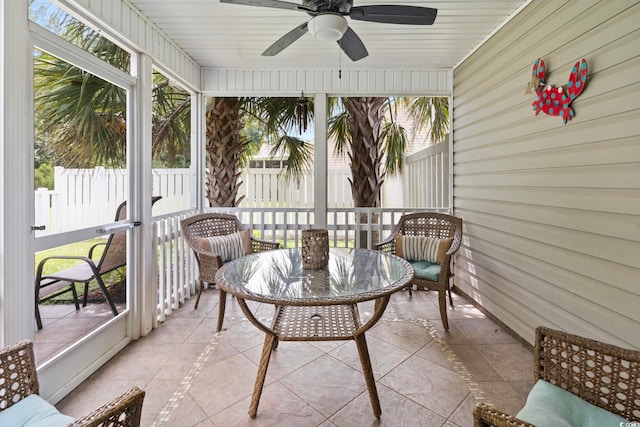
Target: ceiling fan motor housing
point(328, 26)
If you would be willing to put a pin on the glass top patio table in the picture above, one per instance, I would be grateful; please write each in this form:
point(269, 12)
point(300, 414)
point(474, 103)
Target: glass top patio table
point(318, 304)
point(278, 277)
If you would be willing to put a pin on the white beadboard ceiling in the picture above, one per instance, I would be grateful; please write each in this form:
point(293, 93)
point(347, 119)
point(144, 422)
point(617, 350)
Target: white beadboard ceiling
point(233, 36)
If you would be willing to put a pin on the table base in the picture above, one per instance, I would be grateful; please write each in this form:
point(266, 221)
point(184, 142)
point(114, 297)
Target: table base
point(317, 323)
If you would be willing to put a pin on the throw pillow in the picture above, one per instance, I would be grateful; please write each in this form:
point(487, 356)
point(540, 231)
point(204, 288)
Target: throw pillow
point(229, 246)
point(422, 248)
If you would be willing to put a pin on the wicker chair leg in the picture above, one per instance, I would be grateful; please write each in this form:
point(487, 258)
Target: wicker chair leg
point(442, 302)
point(195, 307)
point(410, 291)
point(221, 307)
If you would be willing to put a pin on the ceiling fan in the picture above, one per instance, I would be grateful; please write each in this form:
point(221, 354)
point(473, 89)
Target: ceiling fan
point(328, 21)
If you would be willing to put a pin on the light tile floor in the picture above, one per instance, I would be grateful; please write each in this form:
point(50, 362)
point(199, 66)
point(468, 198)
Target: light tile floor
point(425, 376)
point(62, 325)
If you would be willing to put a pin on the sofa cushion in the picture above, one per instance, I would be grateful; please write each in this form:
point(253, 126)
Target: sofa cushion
point(229, 246)
point(421, 248)
point(426, 270)
point(33, 411)
point(551, 406)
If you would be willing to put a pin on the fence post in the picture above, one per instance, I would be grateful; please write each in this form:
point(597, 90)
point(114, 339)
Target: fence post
point(42, 207)
point(59, 203)
point(97, 190)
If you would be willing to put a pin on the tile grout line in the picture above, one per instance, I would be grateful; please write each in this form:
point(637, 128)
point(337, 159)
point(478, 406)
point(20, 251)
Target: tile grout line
point(186, 382)
point(458, 366)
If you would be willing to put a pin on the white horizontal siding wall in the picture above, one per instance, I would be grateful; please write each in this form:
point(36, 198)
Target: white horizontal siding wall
point(552, 211)
point(369, 82)
point(120, 17)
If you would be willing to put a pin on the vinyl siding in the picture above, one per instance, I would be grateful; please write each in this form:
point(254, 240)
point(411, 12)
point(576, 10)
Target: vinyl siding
point(552, 211)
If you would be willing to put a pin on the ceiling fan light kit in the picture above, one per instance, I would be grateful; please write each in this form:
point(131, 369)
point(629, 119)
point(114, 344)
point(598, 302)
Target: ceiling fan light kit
point(328, 27)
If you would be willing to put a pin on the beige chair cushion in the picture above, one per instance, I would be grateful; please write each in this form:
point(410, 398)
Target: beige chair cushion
point(422, 248)
point(229, 246)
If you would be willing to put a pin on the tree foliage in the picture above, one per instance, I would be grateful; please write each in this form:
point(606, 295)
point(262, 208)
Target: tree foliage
point(367, 131)
point(81, 118)
point(236, 129)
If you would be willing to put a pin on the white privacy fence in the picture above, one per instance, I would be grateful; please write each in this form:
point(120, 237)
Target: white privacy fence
point(88, 197)
point(426, 176)
point(263, 187)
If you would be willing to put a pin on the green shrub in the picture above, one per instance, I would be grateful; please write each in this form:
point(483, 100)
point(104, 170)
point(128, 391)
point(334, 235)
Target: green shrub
point(43, 176)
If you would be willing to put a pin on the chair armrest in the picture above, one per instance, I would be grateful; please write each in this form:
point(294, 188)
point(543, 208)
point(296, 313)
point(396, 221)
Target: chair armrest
point(488, 416)
point(89, 261)
point(208, 263)
point(387, 245)
point(568, 360)
point(259, 245)
point(125, 410)
point(208, 259)
point(18, 375)
point(93, 248)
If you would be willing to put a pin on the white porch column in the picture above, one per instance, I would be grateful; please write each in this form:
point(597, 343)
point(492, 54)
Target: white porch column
point(320, 159)
point(16, 175)
point(198, 147)
point(143, 274)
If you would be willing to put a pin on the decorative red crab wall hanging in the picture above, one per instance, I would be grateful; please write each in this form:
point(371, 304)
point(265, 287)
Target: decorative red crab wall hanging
point(555, 101)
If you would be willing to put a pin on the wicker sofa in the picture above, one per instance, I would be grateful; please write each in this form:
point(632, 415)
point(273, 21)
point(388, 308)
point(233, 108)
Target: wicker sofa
point(20, 404)
point(599, 374)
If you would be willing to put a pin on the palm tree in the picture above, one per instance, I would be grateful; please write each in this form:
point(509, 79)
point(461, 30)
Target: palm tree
point(81, 118)
point(366, 130)
point(430, 112)
point(228, 146)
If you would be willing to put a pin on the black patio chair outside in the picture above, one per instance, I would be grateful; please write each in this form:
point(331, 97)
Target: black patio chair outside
point(113, 257)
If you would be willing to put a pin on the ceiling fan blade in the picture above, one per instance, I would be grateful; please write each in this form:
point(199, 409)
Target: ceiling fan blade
point(277, 4)
point(286, 40)
point(351, 44)
point(394, 14)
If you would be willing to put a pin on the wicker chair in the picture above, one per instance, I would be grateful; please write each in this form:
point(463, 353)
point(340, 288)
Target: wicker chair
point(441, 226)
point(114, 256)
point(210, 225)
point(19, 379)
point(602, 374)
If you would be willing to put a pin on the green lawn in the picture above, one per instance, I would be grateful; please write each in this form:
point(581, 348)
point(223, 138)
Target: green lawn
point(74, 249)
